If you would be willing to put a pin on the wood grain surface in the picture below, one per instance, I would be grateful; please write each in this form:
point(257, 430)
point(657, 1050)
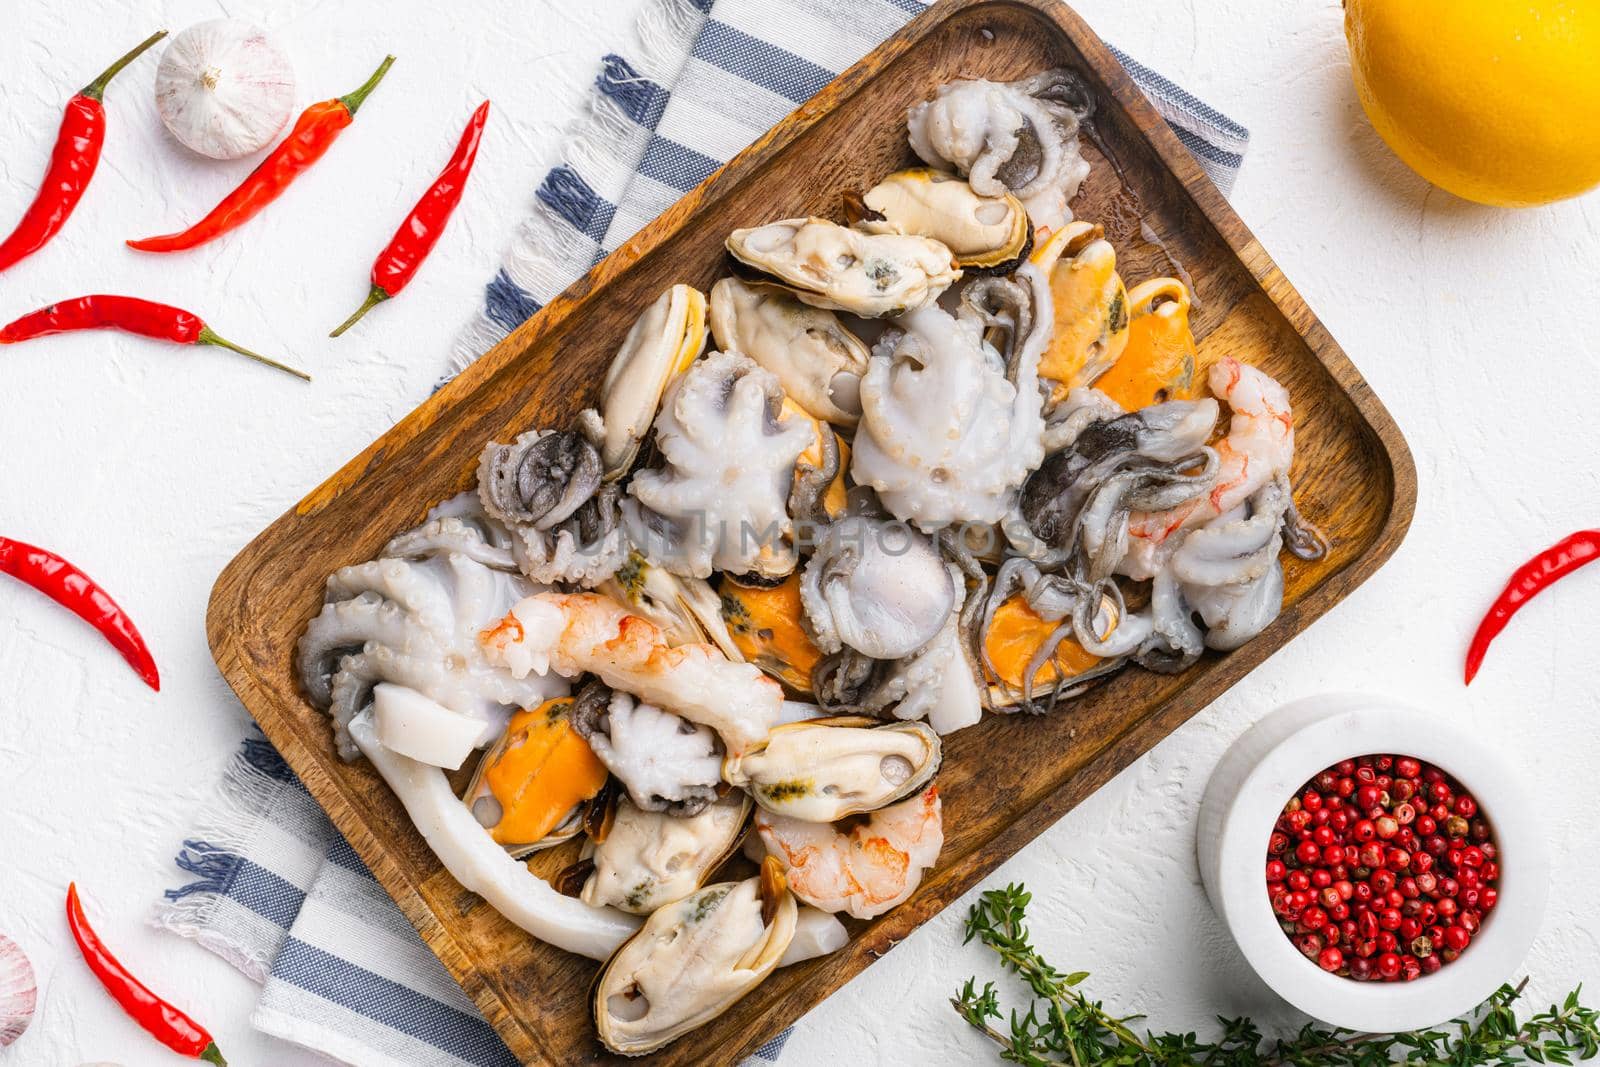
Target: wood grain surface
point(1353, 477)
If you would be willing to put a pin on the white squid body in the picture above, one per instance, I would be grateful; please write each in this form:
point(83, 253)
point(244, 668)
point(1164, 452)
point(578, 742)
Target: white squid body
point(944, 436)
point(574, 633)
point(482, 865)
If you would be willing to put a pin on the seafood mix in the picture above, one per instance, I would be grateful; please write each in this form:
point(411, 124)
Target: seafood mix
point(929, 463)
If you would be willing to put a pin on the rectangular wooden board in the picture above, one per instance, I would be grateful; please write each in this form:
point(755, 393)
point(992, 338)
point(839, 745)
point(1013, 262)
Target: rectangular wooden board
point(1353, 477)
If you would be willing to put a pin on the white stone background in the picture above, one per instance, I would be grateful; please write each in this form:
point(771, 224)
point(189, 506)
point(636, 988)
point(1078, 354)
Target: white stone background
point(152, 467)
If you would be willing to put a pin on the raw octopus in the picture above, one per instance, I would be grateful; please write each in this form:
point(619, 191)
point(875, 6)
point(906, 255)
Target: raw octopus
point(546, 488)
point(412, 617)
point(1019, 137)
point(721, 501)
point(950, 428)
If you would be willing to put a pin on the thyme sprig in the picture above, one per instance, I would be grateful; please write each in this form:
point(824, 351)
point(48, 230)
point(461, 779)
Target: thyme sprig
point(1063, 1026)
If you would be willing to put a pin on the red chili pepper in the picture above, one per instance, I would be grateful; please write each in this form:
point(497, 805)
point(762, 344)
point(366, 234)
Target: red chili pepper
point(78, 593)
point(1531, 579)
point(143, 317)
point(314, 133)
point(161, 1020)
point(397, 264)
point(72, 164)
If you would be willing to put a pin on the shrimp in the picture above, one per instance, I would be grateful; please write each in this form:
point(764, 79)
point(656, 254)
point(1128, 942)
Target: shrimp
point(577, 632)
point(865, 870)
point(1258, 449)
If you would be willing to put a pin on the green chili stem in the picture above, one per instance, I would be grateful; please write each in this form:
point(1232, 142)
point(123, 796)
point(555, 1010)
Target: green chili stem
point(96, 89)
point(374, 298)
point(209, 337)
point(354, 100)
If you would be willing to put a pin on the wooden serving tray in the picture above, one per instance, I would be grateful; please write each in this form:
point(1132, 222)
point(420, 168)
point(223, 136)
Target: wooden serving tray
point(1353, 477)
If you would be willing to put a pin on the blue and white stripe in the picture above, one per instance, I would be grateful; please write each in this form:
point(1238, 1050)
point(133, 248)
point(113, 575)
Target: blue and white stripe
point(270, 885)
point(748, 63)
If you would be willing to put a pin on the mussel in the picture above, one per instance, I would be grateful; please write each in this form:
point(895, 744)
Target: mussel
point(825, 769)
point(818, 492)
point(986, 234)
point(661, 344)
point(1160, 360)
point(649, 859)
point(818, 362)
point(1027, 656)
point(530, 788)
point(832, 266)
point(765, 623)
point(693, 960)
point(1091, 307)
point(686, 609)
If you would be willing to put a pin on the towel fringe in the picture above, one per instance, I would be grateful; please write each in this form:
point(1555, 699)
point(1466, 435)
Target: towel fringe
point(604, 142)
point(245, 796)
point(666, 30)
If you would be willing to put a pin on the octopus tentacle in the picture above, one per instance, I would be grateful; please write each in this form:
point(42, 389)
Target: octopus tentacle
point(1175, 642)
point(840, 681)
point(450, 534)
point(339, 629)
point(415, 586)
point(1303, 539)
point(811, 483)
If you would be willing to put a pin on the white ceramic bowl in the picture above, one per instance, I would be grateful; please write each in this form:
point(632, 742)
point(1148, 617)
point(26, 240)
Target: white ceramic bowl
point(1289, 747)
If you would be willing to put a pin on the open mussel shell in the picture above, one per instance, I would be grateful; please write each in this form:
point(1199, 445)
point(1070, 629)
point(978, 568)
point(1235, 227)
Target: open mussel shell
point(664, 340)
point(1160, 361)
point(1017, 642)
point(818, 362)
point(687, 610)
point(692, 961)
point(986, 234)
point(650, 859)
point(766, 623)
point(531, 788)
point(823, 770)
point(1090, 304)
point(831, 266)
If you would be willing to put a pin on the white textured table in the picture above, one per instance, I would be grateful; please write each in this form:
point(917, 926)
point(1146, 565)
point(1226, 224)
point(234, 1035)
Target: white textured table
point(152, 467)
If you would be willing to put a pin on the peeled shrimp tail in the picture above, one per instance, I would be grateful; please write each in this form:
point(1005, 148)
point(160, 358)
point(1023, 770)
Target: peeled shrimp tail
point(586, 632)
point(869, 869)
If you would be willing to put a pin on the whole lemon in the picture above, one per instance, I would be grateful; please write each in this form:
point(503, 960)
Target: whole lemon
point(1497, 101)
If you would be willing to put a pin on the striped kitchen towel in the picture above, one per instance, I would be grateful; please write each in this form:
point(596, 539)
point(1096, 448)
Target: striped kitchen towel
point(269, 884)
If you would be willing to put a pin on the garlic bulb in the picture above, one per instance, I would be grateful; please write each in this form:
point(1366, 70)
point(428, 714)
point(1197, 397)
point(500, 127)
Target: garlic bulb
point(19, 993)
point(224, 89)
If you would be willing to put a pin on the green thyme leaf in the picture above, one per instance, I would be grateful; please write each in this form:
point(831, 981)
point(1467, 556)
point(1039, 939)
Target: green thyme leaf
point(1063, 1026)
